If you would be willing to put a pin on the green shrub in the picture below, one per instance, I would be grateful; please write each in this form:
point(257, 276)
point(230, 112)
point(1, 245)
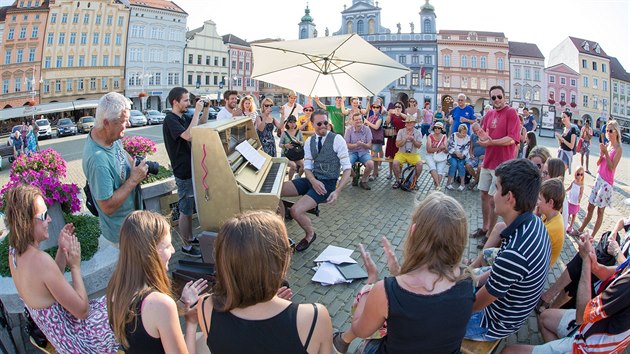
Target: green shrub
point(87, 230)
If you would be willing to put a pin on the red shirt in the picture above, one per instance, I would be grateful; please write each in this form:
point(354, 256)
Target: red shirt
point(499, 124)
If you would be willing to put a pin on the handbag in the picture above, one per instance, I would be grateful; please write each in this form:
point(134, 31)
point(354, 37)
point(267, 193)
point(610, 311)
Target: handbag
point(295, 153)
point(601, 250)
point(440, 156)
point(578, 148)
point(90, 204)
point(389, 131)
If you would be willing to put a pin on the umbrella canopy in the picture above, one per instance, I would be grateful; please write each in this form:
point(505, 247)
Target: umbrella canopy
point(328, 66)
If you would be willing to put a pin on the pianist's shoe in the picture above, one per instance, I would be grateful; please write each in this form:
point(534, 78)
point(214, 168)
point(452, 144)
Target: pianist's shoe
point(304, 244)
point(192, 252)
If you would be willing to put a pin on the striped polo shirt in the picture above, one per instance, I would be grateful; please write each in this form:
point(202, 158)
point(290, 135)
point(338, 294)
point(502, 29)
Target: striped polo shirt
point(518, 275)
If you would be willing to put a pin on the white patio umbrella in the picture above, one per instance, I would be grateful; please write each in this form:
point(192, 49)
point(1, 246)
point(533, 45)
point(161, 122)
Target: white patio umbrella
point(344, 65)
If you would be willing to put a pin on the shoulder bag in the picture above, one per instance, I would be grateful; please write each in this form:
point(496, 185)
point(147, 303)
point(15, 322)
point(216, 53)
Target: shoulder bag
point(440, 156)
point(296, 152)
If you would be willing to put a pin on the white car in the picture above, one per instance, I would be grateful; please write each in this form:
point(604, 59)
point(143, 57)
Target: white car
point(137, 119)
point(45, 131)
point(154, 117)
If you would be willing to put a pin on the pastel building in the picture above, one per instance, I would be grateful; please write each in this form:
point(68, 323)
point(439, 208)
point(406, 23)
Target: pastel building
point(620, 95)
point(589, 59)
point(206, 65)
point(470, 62)
point(21, 52)
point(154, 56)
point(527, 79)
point(563, 90)
point(241, 65)
point(84, 50)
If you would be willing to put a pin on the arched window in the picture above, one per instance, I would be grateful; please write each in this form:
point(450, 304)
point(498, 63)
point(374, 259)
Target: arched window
point(473, 62)
point(303, 33)
point(464, 61)
point(360, 29)
point(447, 60)
point(427, 28)
point(349, 28)
point(500, 64)
point(483, 63)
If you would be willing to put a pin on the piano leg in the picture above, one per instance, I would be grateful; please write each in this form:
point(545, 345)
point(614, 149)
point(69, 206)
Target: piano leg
point(288, 204)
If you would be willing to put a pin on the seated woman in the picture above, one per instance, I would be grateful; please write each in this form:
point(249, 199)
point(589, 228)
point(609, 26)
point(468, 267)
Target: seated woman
point(430, 284)
point(244, 314)
point(70, 322)
point(140, 305)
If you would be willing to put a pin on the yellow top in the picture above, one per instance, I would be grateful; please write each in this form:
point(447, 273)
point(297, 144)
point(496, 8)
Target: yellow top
point(309, 126)
point(555, 229)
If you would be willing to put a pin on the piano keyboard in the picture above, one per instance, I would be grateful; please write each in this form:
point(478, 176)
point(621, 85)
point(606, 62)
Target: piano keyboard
point(274, 179)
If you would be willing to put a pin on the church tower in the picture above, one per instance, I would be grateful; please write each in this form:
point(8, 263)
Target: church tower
point(307, 27)
point(427, 19)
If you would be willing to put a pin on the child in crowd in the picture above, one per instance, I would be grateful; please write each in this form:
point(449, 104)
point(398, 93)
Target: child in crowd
point(549, 205)
point(574, 196)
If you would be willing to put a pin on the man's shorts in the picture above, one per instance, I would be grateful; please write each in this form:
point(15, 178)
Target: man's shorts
point(186, 193)
point(363, 157)
point(564, 332)
point(377, 147)
point(304, 187)
point(409, 158)
point(487, 181)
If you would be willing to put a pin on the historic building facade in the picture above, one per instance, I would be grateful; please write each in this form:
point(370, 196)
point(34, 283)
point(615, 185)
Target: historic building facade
point(527, 79)
point(471, 62)
point(206, 62)
point(21, 48)
point(563, 90)
point(241, 65)
point(155, 46)
point(589, 59)
point(620, 94)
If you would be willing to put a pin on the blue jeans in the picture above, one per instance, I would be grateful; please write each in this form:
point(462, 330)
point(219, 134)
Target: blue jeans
point(457, 165)
point(474, 330)
point(186, 195)
point(361, 156)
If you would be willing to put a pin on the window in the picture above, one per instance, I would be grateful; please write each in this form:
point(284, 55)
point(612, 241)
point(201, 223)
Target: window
point(68, 85)
point(199, 59)
point(585, 81)
point(605, 104)
point(584, 64)
point(116, 83)
point(536, 95)
point(415, 79)
point(216, 61)
point(473, 83)
point(415, 59)
point(615, 87)
point(247, 66)
point(86, 19)
point(427, 26)
point(500, 64)
point(402, 59)
point(53, 18)
point(240, 65)
point(208, 59)
point(70, 61)
point(5, 86)
point(169, 79)
point(603, 67)
point(234, 64)
point(215, 80)
point(58, 62)
point(402, 81)
point(62, 38)
point(104, 83)
point(10, 34)
point(573, 82)
point(517, 72)
point(108, 38)
point(46, 86)
point(483, 63)
point(615, 107)
point(80, 84)
point(428, 60)
point(360, 27)
point(47, 62)
point(35, 32)
point(198, 80)
point(73, 38)
point(594, 66)
point(447, 60)
point(109, 20)
point(483, 83)
point(563, 80)
point(595, 102)
point(536, 75)
point(18, 84)
point(120, 20)
point(97, 19)
point(58, 86)
point(83, 40)
point(223, 61)
point(573, 98)
point(473, 62)
point(51, 38)
point(31, 55)
point(92, 83)
point(81, 61)
point(64, 18)
point(116, 60)
point(19, 56)
point(190, 79)
point(190, 58)
point(595, 82)
point(563, 97)
point(75, 18)
point(528, 74)
point(95, 38)
point(464, 61)
point(585, 101)
point(22, 33)
point(605, 85)
point(118, 39)
point(105, 60)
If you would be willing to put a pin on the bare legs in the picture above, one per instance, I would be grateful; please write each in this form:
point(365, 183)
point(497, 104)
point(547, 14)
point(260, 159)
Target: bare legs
point(299, 209)
point(487, 211)
point(589, 215)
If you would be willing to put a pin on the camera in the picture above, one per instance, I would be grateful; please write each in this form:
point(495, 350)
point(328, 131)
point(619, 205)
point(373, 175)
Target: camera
point(154, 167)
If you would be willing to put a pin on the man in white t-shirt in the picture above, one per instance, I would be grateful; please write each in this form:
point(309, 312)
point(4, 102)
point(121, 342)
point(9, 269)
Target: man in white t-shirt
point(291, 107)
point(229, 110)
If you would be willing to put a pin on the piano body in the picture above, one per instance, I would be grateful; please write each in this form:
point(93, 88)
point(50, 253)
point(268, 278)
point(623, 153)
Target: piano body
point(225, 183)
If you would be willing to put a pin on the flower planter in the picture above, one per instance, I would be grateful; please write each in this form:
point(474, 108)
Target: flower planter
point(153, 192)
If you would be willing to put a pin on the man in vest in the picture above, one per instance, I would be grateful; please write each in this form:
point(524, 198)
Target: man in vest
point(325, 154)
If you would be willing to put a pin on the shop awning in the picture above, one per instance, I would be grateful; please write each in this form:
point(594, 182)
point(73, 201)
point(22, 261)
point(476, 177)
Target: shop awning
point(85, 104)
point(28, 111)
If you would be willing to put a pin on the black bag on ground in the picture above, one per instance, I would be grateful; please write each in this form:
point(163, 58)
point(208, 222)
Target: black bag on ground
point(408, 179)
point(90, 204)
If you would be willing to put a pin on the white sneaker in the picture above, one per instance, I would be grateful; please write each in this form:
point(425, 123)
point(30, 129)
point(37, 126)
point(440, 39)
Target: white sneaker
point(449, 187)
point(461, 188)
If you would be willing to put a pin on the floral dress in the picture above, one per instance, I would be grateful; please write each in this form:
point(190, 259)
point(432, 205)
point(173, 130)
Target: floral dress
point(267, 139)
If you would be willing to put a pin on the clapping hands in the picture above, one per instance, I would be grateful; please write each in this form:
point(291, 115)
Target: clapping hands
point(392, 261)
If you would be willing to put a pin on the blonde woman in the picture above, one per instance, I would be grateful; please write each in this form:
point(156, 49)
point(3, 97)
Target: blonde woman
point(141, 308)
point(265, 126)
point(244, 313)
point(248, 107)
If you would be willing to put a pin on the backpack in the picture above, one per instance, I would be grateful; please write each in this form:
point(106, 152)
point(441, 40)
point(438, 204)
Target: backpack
point(408, 179)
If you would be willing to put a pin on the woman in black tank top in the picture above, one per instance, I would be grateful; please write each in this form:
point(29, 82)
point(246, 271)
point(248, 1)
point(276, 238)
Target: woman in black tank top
point(140, 306)
point(426, 304)
point(244, 313)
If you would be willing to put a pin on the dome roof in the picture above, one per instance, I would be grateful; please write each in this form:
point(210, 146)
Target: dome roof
point(427, 6)
point(307, 15)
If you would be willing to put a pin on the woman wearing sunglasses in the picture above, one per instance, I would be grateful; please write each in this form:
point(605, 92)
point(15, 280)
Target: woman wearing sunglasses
point(375, 121)
point(61, 310)
point(396, 118)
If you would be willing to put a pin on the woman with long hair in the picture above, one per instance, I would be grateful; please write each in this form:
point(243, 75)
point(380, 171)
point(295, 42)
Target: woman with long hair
point(248, 107)
point(431, 283)
point(244, 314)
point(265, 126)
point(70, 322)
point(601, 195)
point(567, 140)
point(375, 121)
point(396, 118)
point(140, 304)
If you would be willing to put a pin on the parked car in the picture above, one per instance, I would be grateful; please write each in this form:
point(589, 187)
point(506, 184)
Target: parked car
point(45, 131)
point(154, 117)
point(166, 110)
point(213, 111)
point(65, 127)
point(137, 119)
point(625, 138)
point(85, 124)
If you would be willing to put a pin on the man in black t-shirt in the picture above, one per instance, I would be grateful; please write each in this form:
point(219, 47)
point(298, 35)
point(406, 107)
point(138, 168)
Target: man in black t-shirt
point(177, 136)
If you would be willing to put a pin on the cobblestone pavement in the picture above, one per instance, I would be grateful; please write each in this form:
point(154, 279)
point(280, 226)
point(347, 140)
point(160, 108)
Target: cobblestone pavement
point(361, 216)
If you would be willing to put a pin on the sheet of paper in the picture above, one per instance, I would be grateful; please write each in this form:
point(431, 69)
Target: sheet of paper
point(336, 255)
point(250, 154)
point(328, 274)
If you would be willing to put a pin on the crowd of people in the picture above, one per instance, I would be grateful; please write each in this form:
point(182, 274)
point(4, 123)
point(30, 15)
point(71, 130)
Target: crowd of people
point(249, 307)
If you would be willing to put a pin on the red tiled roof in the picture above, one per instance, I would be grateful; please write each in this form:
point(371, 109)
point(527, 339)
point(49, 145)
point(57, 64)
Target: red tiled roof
point(579, 45)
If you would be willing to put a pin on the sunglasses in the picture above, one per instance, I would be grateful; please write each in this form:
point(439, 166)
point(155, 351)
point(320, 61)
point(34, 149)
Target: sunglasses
point(579, 174)
point(398, 107)
point(319, 124)
point(500, 97)
point(308, 110)
point(610, 130)
point(268, 105)
point(43, 216)
point(376, 107)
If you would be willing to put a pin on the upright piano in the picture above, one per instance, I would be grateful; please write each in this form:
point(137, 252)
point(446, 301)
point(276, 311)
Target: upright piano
point(225, 182)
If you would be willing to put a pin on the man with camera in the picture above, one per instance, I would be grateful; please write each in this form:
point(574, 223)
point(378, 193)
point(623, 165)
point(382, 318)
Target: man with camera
point(177, 136)
point(113, 175)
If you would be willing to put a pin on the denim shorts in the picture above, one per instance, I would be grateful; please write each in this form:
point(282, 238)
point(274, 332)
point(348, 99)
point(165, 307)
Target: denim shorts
point(363, 157)
point(186, 193)
point(474, 330)
point(304, 187)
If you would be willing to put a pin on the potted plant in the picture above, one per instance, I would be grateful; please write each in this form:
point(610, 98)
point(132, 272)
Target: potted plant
point(563, 103)
point(573, 104)
point(551, 101)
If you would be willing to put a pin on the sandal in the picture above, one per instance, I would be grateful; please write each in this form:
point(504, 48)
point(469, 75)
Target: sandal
point(396, 185)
